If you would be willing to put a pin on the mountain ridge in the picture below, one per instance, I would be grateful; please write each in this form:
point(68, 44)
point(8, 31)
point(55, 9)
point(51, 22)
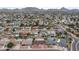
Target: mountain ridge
point(34, 9)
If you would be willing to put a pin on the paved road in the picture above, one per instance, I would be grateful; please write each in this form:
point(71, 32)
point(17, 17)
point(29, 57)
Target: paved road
point(77, 46)
point(75, 43)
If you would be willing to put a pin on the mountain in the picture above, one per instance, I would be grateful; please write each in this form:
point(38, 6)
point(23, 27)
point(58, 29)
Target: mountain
point(64, 9)
point(31, 9)
point(37, 10)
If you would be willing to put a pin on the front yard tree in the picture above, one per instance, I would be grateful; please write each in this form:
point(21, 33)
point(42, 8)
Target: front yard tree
point(10, 45)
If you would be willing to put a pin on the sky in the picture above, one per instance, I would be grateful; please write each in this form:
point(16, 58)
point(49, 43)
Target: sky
point(45, 4)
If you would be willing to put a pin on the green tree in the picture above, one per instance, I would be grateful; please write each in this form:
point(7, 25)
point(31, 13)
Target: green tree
point(21, 25)
point(10, 45)
point(13, 29)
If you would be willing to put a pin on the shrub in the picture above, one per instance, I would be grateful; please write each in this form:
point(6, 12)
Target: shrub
point(10, 45)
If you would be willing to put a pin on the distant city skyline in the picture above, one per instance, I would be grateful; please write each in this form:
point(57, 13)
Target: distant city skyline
point(44, 4)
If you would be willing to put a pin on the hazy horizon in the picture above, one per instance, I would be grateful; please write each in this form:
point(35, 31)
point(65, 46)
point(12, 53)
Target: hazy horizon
point(36, 7)
point(41, 4)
